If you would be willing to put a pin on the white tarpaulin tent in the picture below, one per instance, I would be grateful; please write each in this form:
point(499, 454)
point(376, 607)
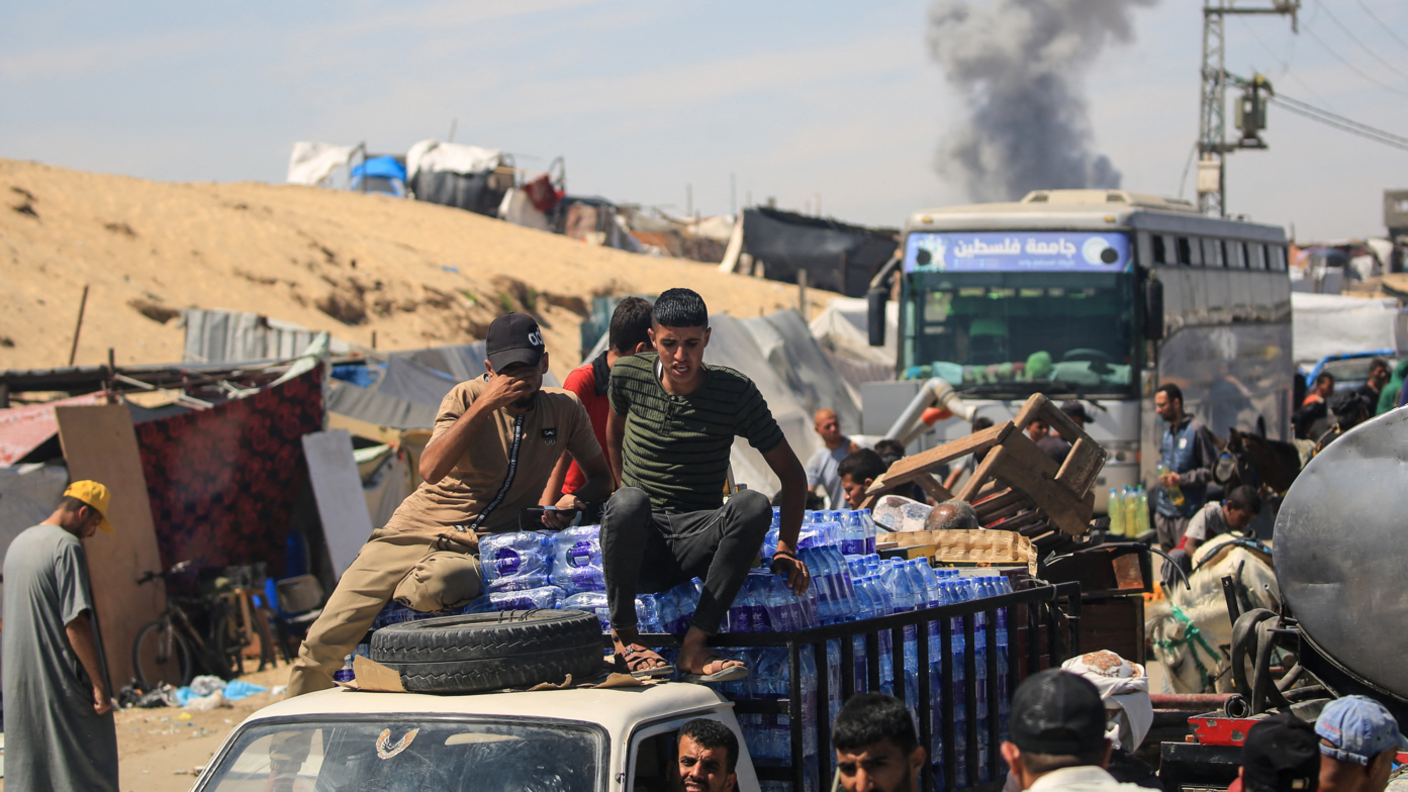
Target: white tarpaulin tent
point(312, 162)
point(1331, 324)
point(434, 156)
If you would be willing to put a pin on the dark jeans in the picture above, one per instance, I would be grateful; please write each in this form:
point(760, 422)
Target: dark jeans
point(643, 552)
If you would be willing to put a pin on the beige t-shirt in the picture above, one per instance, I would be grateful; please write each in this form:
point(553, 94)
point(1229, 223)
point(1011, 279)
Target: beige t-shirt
point(476, 484)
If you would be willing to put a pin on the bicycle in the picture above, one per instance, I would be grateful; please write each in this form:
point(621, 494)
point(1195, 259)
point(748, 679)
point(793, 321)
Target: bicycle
point(168, 650)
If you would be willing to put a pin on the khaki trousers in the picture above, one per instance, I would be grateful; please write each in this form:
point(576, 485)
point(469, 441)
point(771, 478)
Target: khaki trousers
point(361, 593)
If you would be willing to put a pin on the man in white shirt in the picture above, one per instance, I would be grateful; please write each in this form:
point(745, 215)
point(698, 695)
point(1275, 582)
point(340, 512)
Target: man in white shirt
point(823, 477)
point(1058, 739)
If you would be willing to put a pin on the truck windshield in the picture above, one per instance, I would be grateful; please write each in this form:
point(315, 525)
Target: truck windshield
point(1013, 334)
point(405, 754)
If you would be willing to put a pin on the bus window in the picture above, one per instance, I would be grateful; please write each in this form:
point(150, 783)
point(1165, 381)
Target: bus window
point(1185, 251)
point(1160, 254)
point(1212, 253)
point(1239, 255)
point(1258, 257)
point(1278, 258)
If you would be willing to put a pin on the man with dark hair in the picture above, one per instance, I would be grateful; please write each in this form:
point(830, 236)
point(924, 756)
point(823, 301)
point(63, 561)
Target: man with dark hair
point(822, 475)
point(1058, 742)
point(1233, 515)
point(1347, 410)
point(1279, 755)
point(858, 471)
point(629, 335)
point(1186, 448)
point(669, 434)
point(892, 451)
point(876, 746)
point(952, 515)
point(1379, 375)
point(708, 757)
point(1054, 445)
point(496, 440)
point(58, 710)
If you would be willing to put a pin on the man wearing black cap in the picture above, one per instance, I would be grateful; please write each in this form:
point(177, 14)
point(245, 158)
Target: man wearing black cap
point(1280, 754)
point(1058, 736)
point(496, 440)
point(1056, 446)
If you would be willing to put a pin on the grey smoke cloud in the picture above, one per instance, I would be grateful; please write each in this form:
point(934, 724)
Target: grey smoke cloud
point(1019, 65)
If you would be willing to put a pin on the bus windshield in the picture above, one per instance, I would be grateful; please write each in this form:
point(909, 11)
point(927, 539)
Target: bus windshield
point(1010, 334)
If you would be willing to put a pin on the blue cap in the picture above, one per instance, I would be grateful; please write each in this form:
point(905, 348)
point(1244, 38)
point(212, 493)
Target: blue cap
point(1358, 728)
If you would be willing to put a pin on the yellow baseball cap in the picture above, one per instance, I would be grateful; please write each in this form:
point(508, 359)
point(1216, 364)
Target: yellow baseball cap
point(95, 495)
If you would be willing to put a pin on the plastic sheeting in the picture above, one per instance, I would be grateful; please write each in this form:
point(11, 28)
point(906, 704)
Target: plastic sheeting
point(311, 162)
point(219, 336)
point(1329, 324)
point(386, 481)
point(837, 257)
point(434, 156)
point(379, 409)
point(23, 429)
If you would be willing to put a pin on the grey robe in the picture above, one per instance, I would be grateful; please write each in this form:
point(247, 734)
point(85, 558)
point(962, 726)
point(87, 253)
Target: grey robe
point(53, 739)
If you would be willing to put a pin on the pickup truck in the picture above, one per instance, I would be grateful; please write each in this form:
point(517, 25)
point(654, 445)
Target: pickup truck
point(623, 739)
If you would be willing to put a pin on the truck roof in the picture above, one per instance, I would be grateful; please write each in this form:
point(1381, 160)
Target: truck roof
point(617, 709)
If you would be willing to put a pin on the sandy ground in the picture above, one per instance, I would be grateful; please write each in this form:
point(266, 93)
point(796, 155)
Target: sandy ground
point(160, 749)
point(416, 274)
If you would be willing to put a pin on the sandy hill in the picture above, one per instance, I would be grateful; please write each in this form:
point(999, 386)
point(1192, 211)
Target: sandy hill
point(414, 273)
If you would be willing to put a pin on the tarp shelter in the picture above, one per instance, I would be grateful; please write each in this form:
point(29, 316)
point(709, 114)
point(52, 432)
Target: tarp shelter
point(595, 221)
point(455, 175)
point(837, 257)
point(1331, 324)
point(25, 428)
point(311, 163)
point(383, 174)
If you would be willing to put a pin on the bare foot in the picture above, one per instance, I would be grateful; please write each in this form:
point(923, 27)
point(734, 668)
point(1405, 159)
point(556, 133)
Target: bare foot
point(696, 658)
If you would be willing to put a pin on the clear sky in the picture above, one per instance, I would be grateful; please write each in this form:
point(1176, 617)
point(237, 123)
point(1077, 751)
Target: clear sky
point(641, 98)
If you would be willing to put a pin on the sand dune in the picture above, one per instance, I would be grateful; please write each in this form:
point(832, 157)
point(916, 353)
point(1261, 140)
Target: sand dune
point(416, 274)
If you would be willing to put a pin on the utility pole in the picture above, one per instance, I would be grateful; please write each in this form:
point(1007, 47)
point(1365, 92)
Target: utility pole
point(1212, 123)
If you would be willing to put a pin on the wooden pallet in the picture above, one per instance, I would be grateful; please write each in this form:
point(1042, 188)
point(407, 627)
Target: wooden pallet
point(1016, 486)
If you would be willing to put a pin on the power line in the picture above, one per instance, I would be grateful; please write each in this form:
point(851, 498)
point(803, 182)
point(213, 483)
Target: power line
point(1356, 40)
point(1386, 28)
point(1355, 69)
point(1340, 122)
point(1285, 63)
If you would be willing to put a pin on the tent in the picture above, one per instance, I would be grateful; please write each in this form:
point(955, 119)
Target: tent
point(313, 163)
point(380, 174)
point(219, 336)
point(454, 175)
point(842, 331)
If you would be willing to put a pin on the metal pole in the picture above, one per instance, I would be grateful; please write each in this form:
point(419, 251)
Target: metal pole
point(802, 306)
point(78, 327)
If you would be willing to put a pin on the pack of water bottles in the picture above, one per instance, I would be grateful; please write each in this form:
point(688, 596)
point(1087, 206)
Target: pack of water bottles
point(569, 559)
point(769, 736)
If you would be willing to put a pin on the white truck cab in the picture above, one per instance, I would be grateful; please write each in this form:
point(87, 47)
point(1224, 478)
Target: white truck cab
point(577, 740)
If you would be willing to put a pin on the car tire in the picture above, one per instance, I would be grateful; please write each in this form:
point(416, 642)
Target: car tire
point(491, 651)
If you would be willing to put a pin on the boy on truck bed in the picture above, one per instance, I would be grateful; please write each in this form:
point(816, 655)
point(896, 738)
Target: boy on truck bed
point(671, 426)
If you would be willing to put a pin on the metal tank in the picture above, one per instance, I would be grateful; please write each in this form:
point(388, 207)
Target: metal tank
point(1341, 553)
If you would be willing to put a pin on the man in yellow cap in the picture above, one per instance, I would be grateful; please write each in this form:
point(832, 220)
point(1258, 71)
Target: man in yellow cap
point(58, 710)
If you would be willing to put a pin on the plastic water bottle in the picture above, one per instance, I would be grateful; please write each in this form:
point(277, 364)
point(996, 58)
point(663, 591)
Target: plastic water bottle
point(1175, 493)
point(516, 561)
point(1115, 508)
point(853, 536)
point(593, 602)
point(576, 559)
point(1143, 512)
point(648, 614)
point(345, 674)
point(547, 597)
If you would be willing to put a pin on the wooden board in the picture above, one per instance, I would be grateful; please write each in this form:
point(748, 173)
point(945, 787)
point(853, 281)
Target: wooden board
point(100, 444)
point(337, 487)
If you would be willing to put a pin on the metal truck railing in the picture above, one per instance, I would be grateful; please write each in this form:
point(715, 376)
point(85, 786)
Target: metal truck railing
point(1042, 630)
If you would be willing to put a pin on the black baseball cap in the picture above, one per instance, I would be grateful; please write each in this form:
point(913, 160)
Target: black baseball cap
point(1075, 409)
point(1057, 712)
point(1281, 754)
point(514, 338)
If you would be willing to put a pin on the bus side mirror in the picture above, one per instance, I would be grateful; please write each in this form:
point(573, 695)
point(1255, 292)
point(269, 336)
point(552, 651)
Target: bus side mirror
point(875, 315)
point(1154, 310)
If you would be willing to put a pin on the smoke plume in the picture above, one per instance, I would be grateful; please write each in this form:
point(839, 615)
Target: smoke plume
point(1019, 65)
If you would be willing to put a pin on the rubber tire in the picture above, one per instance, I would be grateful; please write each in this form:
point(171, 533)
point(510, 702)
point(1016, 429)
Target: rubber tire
point(491, 651)
point(179, 650)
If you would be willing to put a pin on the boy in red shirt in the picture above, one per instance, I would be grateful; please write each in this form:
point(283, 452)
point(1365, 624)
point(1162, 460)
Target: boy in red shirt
point(630, 325)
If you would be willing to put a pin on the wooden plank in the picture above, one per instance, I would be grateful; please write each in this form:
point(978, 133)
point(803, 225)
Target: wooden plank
point(984, 472)
point(337, 489)
point(1082, 465)
point(100, 444)
point(999, 501)
point(906, 468)
point(1036, 474)
point(933, 488)
point(364, 429)
point(1061, 423)
point(1030, 411)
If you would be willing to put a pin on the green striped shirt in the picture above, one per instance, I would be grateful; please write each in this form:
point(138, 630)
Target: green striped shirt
point(676, 447)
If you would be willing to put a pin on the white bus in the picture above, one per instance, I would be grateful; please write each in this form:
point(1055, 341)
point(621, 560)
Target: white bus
point(1098, 295)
